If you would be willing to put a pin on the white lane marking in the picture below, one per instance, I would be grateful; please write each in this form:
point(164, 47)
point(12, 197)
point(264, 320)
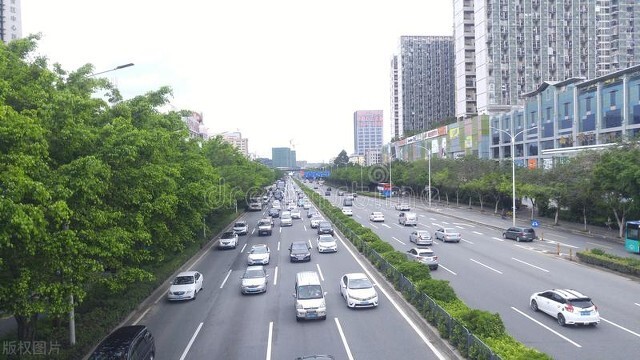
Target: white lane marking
point(193, 338)
point(371, 224)
point(487, 266)
point(447, 269)
point(497, 238)
point(198, 260)
point(460, 227)
point(400, 311)
point(305, 227)
point(310, 245)
point(394, 238)
point(637, 304)
point(477, 233)
point(320, 272)
point(253, 231)
point(563, 244)
point(358, 216)
point(422, 215)
point(398, 225)
point(533, 266)
point(141, 316)
point(620, 327)
point(242, 250)
point(278, 245)
point(344, 340)
point(280, 229)
point(546, 327)
point(467, 241)
point(225, 279)
point(386, 226)
point(269, 340)
point(600, 245)
point(275, 277)
point(464, 224)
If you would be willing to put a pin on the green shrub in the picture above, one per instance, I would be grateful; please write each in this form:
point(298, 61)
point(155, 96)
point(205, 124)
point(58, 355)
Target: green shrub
point(394, 258)
point(370, 237)
point(414, 271)
point(508, 348)
point(483, 323)
point(438, 290)
point(380, 246)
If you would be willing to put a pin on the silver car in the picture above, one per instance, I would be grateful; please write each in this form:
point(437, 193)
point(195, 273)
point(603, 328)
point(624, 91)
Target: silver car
point(424, 256)
point(259, 255)
point(447, 234)
point(326, 243)
point(421, 237)
point(254, 280)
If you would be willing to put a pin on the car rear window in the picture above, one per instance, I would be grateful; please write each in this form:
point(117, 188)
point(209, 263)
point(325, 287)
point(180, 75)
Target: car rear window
point(581, 303)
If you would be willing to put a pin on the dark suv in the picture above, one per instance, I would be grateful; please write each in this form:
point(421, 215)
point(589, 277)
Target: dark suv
point(299, 251)
point(325, 228)
point(520, 234)
point(126, 343)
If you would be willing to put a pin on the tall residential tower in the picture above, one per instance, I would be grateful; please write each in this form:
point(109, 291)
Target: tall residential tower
point(367, 131)
point(507, 48)
point(423, 78)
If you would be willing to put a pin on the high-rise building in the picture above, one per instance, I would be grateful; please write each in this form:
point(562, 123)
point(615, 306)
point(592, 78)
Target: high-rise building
point(195, 124)
point(10, 20)
point(235, 138)
point(283, 157)
point(507, 48)
point(425, 84)
point(395, 98)
point(367, 130)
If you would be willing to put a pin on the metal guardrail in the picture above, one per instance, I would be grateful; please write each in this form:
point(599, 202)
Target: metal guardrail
point(469, 345)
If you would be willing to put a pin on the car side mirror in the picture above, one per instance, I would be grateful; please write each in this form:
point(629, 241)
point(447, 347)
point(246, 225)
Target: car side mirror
point(294, 295)
point(325, 293)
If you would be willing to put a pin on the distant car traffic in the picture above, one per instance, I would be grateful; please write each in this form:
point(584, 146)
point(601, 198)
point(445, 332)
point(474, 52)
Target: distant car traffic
point(326, 243)
point(376, 216)
point(421, 237)
point(241, 227)
point(358, 291)
point(185, 286)
point(424, 256)
point(254, 280)
point(520, 234)
point(403, 207)
point(567, 306)
point(259, 255)
point(447, 234)
point(228, 240)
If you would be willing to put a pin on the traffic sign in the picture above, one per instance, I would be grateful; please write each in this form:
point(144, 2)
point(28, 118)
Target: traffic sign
point(535, 223)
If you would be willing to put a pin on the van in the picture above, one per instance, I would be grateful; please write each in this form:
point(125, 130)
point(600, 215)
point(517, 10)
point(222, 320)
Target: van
point(408, 218)
point(309, 296)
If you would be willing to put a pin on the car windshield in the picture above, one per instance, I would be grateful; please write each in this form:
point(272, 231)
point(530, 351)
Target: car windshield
point(425, 253)
point(259, 250)
point(228, 235)
point(240, 224)
point(253, 273)
point(582, 303)
point(423, 233)
point(360, 284)
point(325, 224)
point(325, 239)
point(309, 292)
point(299, 246)
point(184, 280)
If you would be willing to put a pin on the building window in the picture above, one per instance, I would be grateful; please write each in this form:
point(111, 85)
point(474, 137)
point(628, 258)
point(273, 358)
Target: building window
point(587, 104)
point(566, 109)
point(612, 98)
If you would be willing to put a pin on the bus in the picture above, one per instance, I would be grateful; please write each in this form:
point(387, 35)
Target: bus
point(384, 189)
point(632, 236)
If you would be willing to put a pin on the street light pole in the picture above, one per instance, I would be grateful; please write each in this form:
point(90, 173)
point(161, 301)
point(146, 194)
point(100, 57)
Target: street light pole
point(114, 69)
point(429, 161)
point(513, 168)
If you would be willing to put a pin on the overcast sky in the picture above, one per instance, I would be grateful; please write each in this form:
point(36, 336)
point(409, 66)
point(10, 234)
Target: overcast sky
point(280, 71)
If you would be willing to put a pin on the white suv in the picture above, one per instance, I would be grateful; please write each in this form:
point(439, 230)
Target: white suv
point(567, 306)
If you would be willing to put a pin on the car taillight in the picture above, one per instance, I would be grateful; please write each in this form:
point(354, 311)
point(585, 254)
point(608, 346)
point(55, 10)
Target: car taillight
point(569, 308)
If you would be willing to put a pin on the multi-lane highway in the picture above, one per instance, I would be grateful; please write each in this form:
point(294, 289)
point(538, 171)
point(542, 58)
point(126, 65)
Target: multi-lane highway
point(490, 273)
point(223, 324)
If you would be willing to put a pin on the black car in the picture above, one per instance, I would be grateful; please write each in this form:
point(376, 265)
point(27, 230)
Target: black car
point(299, 251)
point(327, 193)
point(274, 213)
point(325, 228)
point(520, 234)
point(126, 343)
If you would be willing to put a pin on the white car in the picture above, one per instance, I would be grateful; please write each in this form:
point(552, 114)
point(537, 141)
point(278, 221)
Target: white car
point(259, 255)
point(285, 219)
point(315, 221)
point(347, 211)
point(326, 243)
point(358, 291)
point(447, 234)
point(403, 207)
point(241, 227)
point(376, 216)
point(295, 214)
point(567, 306)
point(228, 240)
point(185, 286)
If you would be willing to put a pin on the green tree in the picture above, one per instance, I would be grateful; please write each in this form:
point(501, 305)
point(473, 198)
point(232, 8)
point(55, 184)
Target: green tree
point(341, 159)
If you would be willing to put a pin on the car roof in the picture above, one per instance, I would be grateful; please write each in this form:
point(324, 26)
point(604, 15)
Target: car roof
point(376, 213)
point(255, 267)
point(258, 246)
point(187, 273)
point(421, 251)
point(120, 339)
point(356, 276)
point(570, 294)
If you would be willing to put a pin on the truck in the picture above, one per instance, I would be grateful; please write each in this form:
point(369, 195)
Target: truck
point(255, 204)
